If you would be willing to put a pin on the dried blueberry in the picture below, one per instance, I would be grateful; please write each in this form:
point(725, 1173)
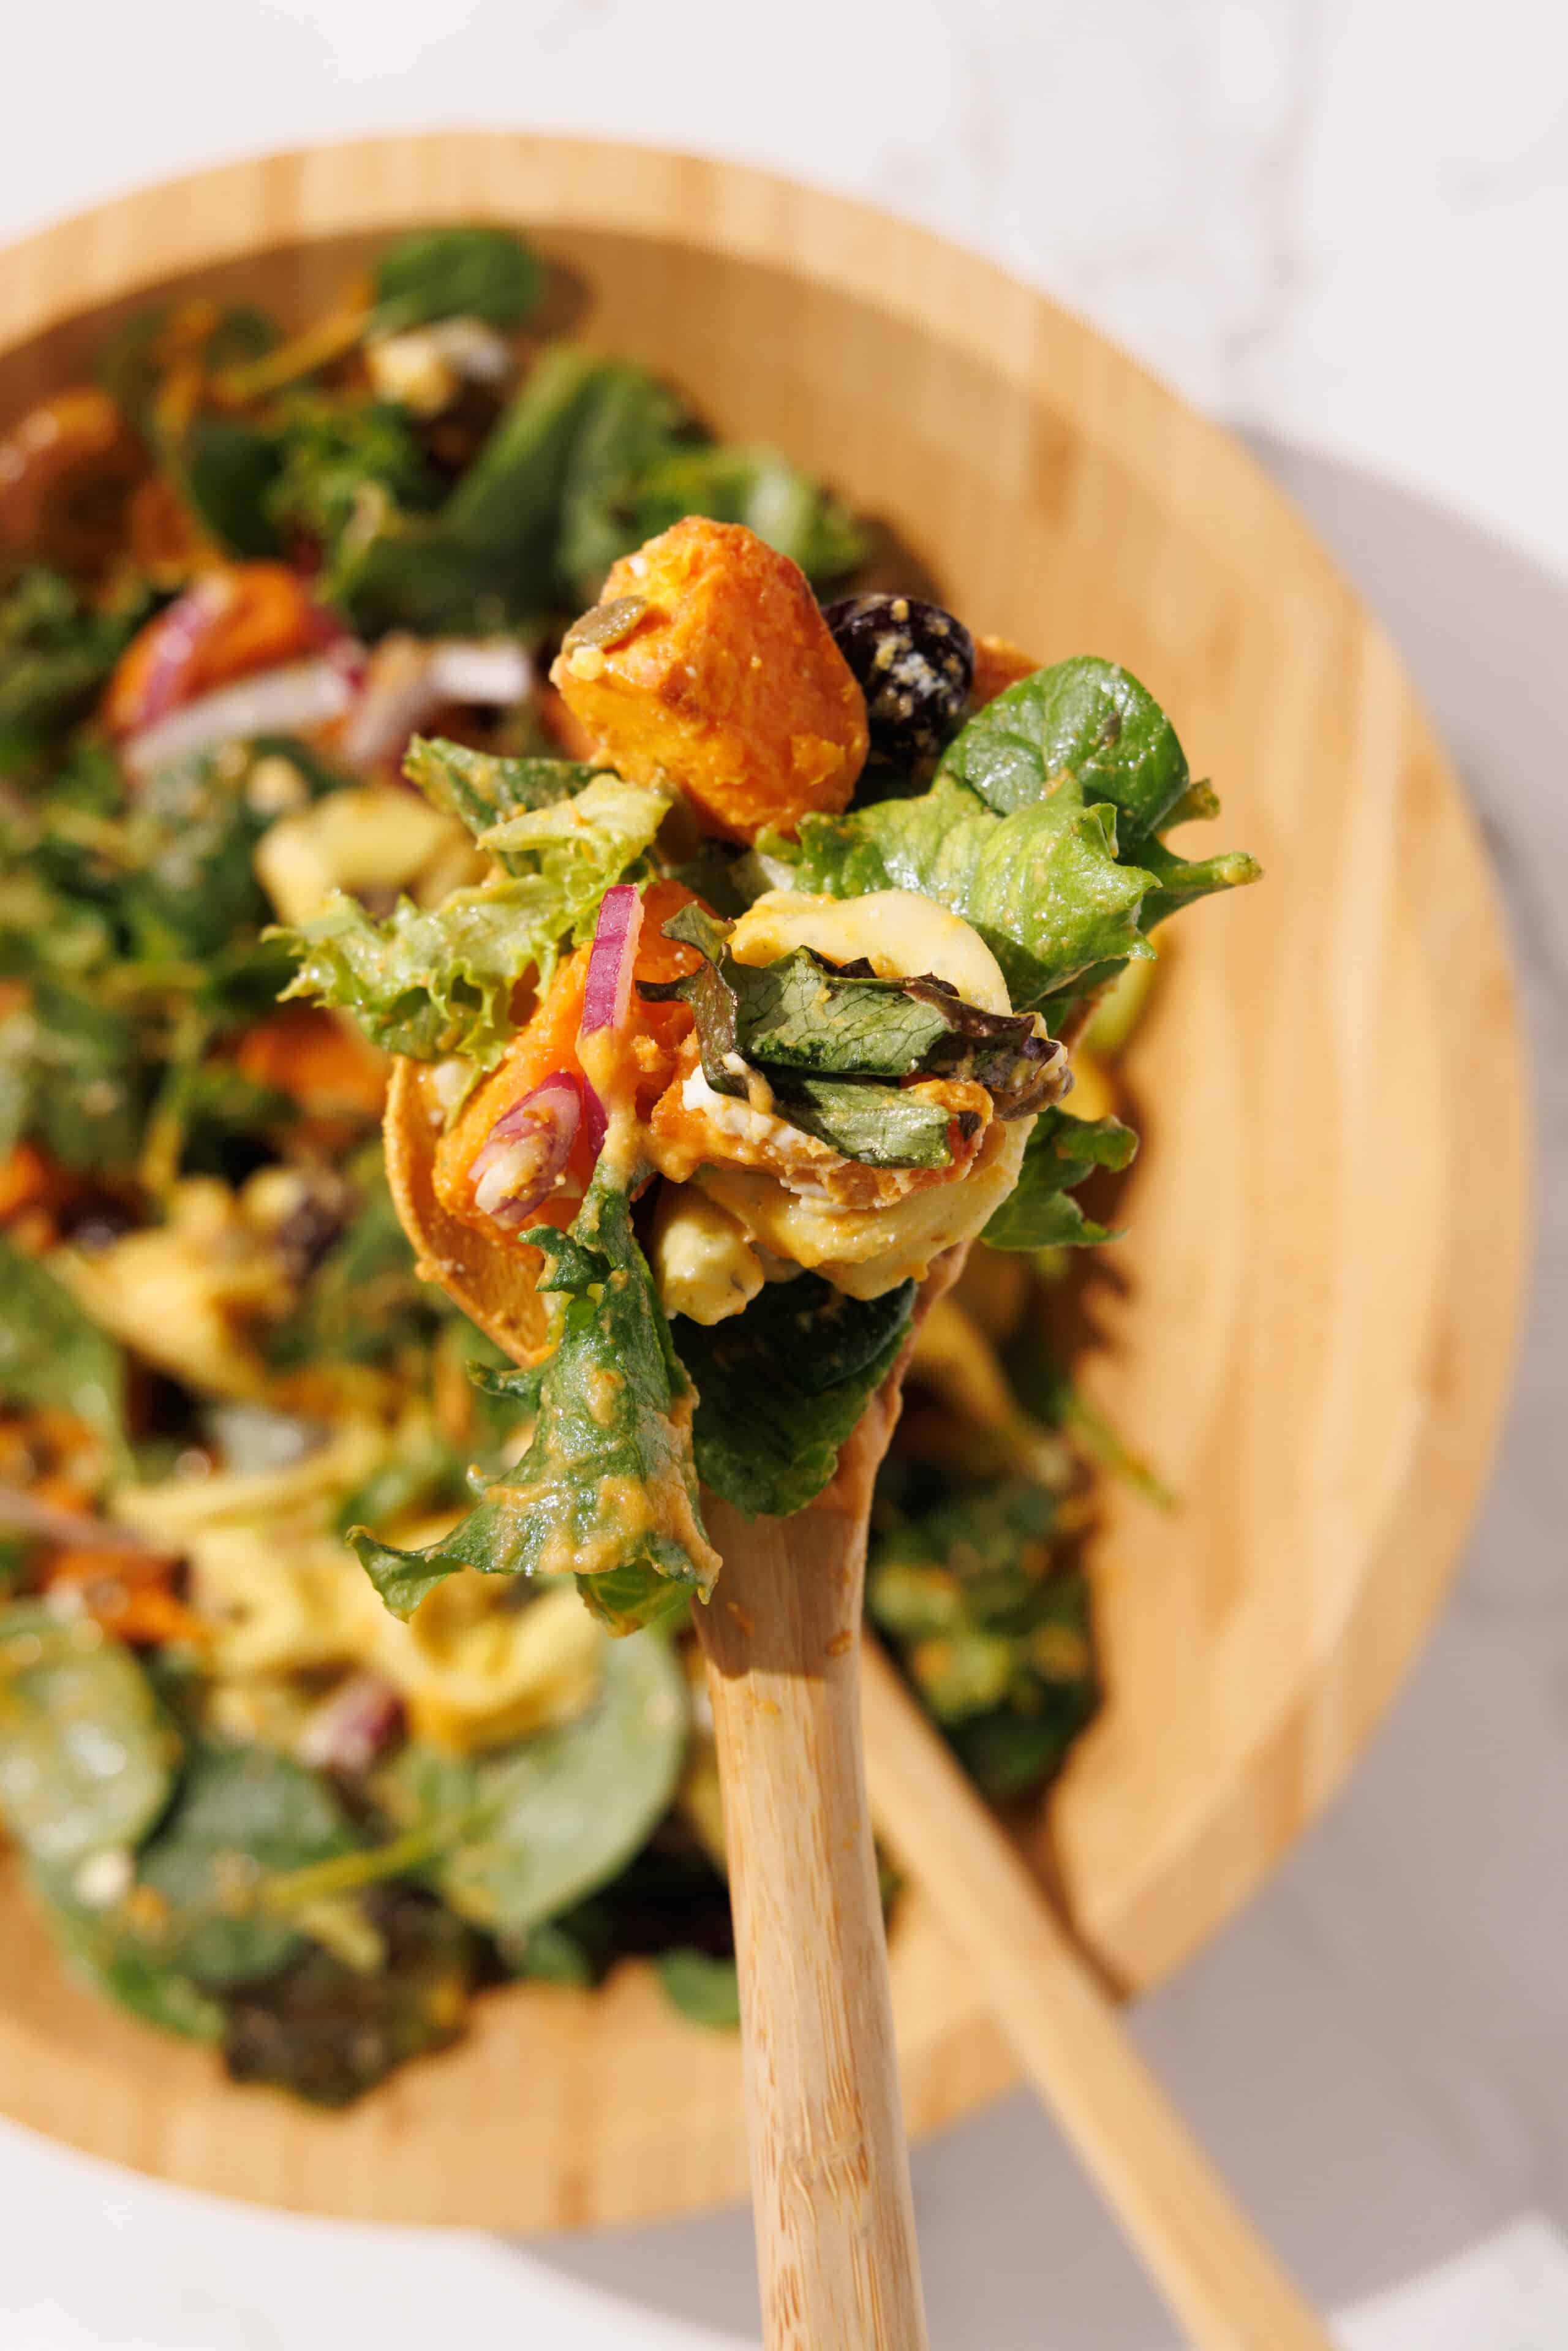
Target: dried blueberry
point(914, 664)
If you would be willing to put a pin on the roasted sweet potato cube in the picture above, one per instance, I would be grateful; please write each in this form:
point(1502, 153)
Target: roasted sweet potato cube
point(726, 679)
point(998, 665)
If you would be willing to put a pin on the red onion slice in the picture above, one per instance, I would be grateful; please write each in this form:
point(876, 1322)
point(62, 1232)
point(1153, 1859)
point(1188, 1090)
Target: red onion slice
point(611, 959)
point(408, 679)
point(348, 1731)
point(188, 620)
point(521, 1160)
point(291, 700)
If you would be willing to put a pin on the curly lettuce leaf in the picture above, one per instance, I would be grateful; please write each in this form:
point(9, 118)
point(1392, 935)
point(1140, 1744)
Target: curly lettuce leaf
point(480, 788)
point(782, 1386)
point(432, 982)
point(1042, 886)
point(608, 1487)
point(1061, 1152)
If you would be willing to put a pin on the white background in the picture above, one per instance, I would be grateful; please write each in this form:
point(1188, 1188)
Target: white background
point(1344, 226)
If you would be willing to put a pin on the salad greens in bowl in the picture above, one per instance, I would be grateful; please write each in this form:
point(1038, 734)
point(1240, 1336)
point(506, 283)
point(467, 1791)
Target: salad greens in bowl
point(412, 691)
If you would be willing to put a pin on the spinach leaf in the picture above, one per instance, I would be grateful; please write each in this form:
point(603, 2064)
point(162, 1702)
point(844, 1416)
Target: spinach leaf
point(86, 1755)
point(1086, 717)
point(329, 2032)
point(49, 1351)
point(702, 1989)
point(240, 1811)
point(227, 467)
point(630, 422)
point(474, 272)
point(561, 1815)
point(433, 983)
point(608, 1486)
point(782, 1386)
point(121, 1965)
point(1182, 881)
point(1061, 1151)
point(1043, 886)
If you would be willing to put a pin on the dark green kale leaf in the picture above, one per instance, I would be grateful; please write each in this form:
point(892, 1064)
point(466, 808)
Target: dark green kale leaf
point(50, 1353)
point(72, 1077)
point(333, 456)
point(470, 272)
point(329, 2032)
point(609, 1477)
point(631, 423)
point(782, 1386)
point(1061, 1152)
point(225, 467)
point(88, 1756)
point(57, 652)
point(559, 1815)
point(762, 490)
point(882, 1126)
point(993, 1638)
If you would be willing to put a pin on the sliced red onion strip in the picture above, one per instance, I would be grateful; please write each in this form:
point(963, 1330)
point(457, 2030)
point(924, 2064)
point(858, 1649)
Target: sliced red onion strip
point(189, 619)
point(348, 1731)
point(594, 1119)
point(408, 679)
point(287, 701)
point(611, 959)
point(521, 1159)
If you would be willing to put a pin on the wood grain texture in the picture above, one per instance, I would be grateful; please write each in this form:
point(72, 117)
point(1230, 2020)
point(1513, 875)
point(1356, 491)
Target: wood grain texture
point(1220, 2280)
point(830, 2167)
point(1311, 1325)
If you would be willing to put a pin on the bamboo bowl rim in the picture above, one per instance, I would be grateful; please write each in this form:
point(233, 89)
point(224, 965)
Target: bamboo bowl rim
point(450, 2140)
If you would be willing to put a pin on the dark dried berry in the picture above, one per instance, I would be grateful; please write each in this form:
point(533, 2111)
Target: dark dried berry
point(914, 664)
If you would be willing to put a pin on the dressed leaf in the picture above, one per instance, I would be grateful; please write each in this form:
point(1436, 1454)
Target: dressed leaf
point(1061, 1152)
point(50, 1353)
point(241, 1813)
point(329, 2032)
point(782, 1386)
point(1088, 717)
point(480, 788)
point(561, 1815)
point(477, 272)
point(881, 1125)
point(86, 1755)
point(608, 1486)
point(1042, 887)
point(434, 982)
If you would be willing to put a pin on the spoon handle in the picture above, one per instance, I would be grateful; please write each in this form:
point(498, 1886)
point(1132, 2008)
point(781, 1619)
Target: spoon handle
point(1199, 2248)
point(830, 2167)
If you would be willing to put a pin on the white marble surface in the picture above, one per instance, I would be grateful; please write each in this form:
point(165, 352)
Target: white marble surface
point(1343, 224)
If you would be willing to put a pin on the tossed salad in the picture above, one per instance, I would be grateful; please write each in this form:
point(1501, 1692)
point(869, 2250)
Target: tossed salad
point(730, 943)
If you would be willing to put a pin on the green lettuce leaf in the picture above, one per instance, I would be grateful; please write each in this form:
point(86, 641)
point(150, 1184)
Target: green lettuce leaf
point(561, 1815)
point(431, 983)
point(609, 1476)
point(1061, 1151)
point(1042, 886)
point(782, 1386)
point(481, 789)
point(50, 1353)
point(762, 490)
point(472, 272)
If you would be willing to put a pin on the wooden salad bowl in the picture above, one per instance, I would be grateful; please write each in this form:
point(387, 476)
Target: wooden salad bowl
point(1311, 1321)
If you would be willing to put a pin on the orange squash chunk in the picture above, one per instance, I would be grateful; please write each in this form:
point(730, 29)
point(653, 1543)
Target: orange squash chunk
point(998, 665)
point(254, 616)
point(728, 681)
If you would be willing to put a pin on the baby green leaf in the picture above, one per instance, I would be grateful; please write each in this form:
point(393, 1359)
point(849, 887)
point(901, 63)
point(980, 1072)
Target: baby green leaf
point(475, 272)
point(1088, 716)
point(86, 1756)
point(550, 1820)
point(1039, 1212)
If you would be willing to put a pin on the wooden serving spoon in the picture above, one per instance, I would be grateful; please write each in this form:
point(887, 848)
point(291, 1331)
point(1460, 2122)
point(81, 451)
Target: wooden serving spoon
point(788, 1668)
point(830, 2165)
